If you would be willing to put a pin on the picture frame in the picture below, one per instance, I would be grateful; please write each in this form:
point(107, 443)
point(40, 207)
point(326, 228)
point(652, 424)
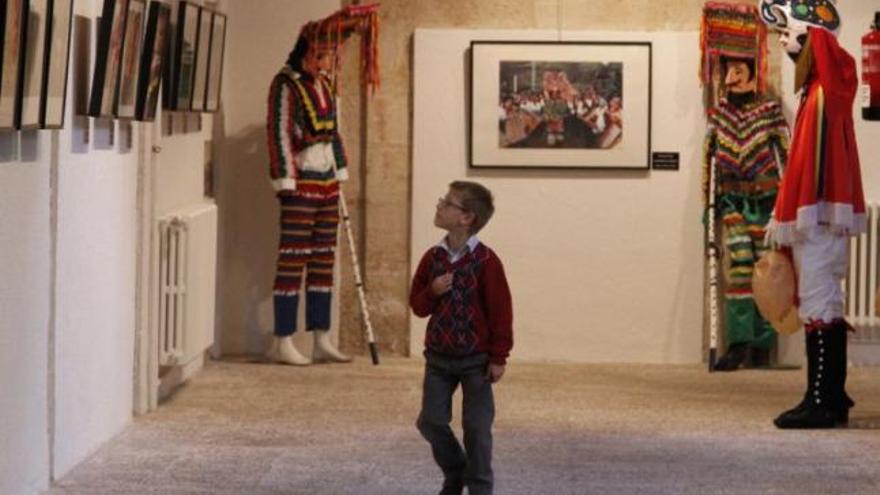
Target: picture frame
point(132, 46)
point(203, 48)
point(57, 64)
point(108, 61)
point(185, 47)
point(215, 63)
point(560, 105)
point(153, 61)
point(32, 67)
point(14, 24)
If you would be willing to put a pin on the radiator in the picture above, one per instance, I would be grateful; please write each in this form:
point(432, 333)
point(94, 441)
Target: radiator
point(862, 280)
point(186, 274)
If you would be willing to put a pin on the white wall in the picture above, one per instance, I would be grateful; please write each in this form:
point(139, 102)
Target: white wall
point(68, 221)
point(24, 321)
point(604, 266)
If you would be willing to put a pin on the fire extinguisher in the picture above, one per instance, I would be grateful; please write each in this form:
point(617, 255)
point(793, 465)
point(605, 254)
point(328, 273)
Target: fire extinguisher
point(871, 72)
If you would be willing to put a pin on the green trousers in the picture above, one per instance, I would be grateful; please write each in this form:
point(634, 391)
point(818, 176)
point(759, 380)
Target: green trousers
point(744, 218)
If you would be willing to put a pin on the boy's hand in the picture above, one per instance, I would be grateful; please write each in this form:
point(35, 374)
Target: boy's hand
point(441, 284)
point(495, 372)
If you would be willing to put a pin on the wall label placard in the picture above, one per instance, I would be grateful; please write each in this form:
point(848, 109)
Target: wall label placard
point(665, 160)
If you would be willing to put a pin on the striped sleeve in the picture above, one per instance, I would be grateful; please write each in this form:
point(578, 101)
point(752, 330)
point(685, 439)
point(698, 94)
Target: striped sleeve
point(280, 131)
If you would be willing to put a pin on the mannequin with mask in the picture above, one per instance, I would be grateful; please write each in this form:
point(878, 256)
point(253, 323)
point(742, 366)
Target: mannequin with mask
point(746, 142)
point(307, 161)
point(820, 203)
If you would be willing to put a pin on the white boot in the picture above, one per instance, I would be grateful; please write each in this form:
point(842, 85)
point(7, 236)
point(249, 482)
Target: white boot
point(283, 351)
point(324, 351)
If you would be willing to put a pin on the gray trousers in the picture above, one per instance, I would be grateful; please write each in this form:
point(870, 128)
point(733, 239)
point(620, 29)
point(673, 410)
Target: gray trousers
point(471, 466)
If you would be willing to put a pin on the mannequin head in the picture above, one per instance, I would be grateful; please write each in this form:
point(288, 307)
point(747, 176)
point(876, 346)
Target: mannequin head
point(739, 75)
point(792, 19)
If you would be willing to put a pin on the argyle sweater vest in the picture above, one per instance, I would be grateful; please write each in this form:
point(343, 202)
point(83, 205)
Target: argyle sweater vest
point(475, 315)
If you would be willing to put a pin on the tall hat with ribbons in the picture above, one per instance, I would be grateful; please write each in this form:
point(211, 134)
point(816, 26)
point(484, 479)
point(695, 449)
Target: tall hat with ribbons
point(331, 33)
point(732, 31)
point(799, 15)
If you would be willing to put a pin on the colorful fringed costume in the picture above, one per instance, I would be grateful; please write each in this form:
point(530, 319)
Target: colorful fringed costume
point(747, 144)
point(307, 158)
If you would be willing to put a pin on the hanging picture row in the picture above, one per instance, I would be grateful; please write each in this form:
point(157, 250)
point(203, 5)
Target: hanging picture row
point(139, 48)
point(193, 79)
point(34, 62)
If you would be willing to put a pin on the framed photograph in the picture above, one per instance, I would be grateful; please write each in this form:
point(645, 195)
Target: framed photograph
point(153, 61)
point(111, 36)
point(27, 113)
point(215, 63)
point(58, 36)
point(564, 105)
point(14, 22)
point(132, 46)
point(203, 49)
point(185, 56)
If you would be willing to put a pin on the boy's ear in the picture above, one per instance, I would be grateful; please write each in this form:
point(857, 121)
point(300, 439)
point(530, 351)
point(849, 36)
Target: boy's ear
point(469, 217)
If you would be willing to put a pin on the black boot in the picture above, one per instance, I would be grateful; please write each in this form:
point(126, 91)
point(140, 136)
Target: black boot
point(734, 357)
point(838, 343)
point(819, 408)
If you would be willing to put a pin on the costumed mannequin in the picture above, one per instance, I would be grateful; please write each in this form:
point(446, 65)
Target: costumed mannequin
point(746, 143)
point(820, 202)
point(307, 159)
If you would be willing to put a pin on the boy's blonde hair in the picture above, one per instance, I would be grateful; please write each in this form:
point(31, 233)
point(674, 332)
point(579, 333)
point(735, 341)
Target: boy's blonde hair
point(476, 199)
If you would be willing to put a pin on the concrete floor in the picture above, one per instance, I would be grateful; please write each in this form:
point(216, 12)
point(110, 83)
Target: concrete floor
point(240, 428)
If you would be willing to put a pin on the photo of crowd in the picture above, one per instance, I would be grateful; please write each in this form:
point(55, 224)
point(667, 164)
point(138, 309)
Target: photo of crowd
point(560, 105)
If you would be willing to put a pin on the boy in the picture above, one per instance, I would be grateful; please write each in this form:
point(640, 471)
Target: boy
point(460, 284)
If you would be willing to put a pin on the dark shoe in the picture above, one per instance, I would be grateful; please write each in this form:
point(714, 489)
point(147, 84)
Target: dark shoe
point(808, 417)
point(823, 405)
point(759, 358)
point(734, 358)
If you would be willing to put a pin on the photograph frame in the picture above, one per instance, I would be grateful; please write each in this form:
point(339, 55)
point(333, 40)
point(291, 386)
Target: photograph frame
point(125, 98)
point(108, 60)
point(185, 46)
point(14, 36)
point(154, 60)
point(215, 62)
point(203, 48)
point(32, 66)
point(558, 137)
point(57, 65)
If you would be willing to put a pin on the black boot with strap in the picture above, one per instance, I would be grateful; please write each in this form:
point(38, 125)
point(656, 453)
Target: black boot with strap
point(824, 404)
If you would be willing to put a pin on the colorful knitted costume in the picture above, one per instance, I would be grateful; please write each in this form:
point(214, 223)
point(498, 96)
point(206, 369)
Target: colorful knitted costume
point(747, 144)
point(306, 158)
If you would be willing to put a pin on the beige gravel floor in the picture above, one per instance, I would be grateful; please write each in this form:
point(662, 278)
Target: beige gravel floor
point(247, 428)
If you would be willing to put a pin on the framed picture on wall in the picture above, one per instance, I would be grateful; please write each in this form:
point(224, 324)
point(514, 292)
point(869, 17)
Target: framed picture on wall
point(132, 46)
point(58, 36)
point(215, 62)
point(203, 49)
point(111, 37)
point(185, 56)
point(153, 61)
point(565, 105)
point(15, 14)
point(27, 112)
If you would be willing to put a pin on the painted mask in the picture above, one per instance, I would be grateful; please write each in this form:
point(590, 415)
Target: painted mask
point(793, 18)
